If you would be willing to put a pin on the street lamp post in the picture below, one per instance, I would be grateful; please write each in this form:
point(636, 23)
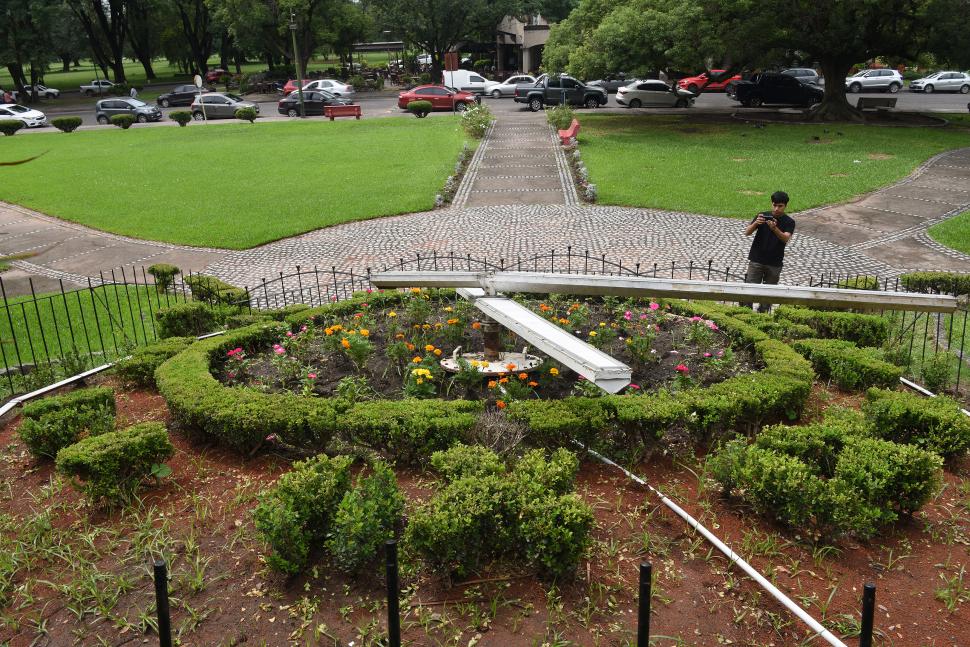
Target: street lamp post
point(296, 60)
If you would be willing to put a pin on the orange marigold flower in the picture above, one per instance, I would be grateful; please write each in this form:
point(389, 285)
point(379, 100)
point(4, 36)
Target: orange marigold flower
point(328, 331)
point(503, 380)
point(345, 342)
point(364, 332)
point(492, 384)
point(416, 290)
point(400, 335)
point(500, 404)
point(510, 366)
point(476, 325)
point(429, 347)
point(410, 346)
point(452, 322)
point(554, 371)
point(416, 360)
point(523, 376)
point(533, 384)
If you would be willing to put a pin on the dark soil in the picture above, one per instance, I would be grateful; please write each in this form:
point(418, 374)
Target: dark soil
point(89, 584)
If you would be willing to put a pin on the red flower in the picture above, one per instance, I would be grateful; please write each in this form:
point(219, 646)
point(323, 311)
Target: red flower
point(682, 368)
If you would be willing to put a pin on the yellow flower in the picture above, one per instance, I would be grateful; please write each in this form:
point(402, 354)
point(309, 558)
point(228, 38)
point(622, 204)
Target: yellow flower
point(400, 335)
point(416, 360)
point(592, 333)
point(429, 347)
point(437, 351)
point(417, 326)
point(602, 324)
point(448, 308)
point(415, 290)
point(364, 332)
point(426, 326)
point(438, 325)
point(564, 321)
point(420, 381)
point(391, 314)
point(554, 371)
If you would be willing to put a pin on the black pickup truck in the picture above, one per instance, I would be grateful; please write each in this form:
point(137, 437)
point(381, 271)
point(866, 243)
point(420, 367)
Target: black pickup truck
point(776, 89)
point(554, 90)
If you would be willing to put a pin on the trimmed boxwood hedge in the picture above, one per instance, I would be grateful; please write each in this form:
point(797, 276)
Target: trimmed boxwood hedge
point(936, 424)
point(849, 366)
point(864, 330)
point(215, 291)
point(93, 398)
point(139, 368)
point(936, 282)
point(189, 319)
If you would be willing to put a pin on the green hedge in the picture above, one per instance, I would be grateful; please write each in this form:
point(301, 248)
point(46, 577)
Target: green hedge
point(864, 330)
point(93, 398)
point(139, 368)
point(861, 282)
point(9, 127)
point(53, 431)
point(936, 282)
point(849, 366)
point(189, 319)
point(215, 291)
point(936, 424)
point(108, 468)
point(66, 124)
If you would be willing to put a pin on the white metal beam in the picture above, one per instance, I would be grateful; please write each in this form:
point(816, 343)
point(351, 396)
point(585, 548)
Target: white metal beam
point(544, 283)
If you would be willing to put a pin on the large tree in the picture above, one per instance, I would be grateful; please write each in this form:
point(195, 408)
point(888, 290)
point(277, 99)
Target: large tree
point(25, 44)
point(106, 27)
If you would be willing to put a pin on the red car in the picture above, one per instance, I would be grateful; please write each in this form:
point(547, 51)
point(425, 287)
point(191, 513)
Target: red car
point(214, 76)
point(694, 83)
point(441, 98)
point(291, 86)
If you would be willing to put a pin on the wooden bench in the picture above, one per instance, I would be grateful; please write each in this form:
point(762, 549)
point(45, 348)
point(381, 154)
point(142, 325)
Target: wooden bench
point(569, 133)
point(876, 103)
point(341, 111)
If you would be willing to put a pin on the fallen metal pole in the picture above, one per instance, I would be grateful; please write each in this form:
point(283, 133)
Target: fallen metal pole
point(814, 624)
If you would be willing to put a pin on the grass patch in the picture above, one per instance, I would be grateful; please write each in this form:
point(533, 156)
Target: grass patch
point(234, 186)
point(730, 169)
point(953, 232)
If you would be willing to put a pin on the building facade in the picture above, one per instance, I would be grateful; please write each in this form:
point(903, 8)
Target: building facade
point(519, 44)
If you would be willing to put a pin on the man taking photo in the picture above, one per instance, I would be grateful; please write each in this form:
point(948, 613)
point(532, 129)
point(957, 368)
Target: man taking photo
point(772, 230)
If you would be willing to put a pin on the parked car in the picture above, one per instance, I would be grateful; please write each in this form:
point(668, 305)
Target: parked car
point(45, 92)
point(942, 82)
point(218, 105)
point(653, 94)
point(875, 80)
point(334, 87)
point(612, 84)
point(463, 80)
point(554, 90)
point(98, 86)
point(506, 88)
point(105, 109)
point(182, 95)
point(441, 98)
point(291, 86)
point(803, 74)
point(695, 83)
point(776, 89)
point(314, 102)
point(31, 118)
point(215, 76)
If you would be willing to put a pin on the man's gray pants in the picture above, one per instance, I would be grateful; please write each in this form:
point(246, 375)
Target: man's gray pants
point(761, 273)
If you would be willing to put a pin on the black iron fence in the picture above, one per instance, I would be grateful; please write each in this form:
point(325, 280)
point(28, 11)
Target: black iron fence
point(44, 337)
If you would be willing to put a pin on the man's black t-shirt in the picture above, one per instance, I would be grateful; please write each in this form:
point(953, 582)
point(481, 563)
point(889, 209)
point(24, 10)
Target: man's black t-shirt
point(766, 248)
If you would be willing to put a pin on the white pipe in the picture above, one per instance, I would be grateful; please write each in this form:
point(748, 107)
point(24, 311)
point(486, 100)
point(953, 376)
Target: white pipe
point(924, 391)
point(730, 554)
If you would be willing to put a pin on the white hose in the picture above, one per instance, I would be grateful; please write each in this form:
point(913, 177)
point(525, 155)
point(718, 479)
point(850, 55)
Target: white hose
point(924, 391)
point(730, 554)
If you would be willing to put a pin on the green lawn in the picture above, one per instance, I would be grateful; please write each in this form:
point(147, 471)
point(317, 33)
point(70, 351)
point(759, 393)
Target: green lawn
point(731, 169)
point(233, 186)
point(953, 232)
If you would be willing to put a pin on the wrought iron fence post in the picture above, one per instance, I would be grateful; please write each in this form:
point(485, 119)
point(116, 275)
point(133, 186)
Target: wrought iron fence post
point(868, 611)
point(393, 595)
point(161, 604)
point(643, 616)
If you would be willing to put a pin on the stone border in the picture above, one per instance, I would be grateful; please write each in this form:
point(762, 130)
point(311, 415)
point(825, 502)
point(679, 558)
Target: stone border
point(471, 171)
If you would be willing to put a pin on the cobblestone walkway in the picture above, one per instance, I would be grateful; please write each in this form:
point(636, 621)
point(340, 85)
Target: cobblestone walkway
point(517, 200)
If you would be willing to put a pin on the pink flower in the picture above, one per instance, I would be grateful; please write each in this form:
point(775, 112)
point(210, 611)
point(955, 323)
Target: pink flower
point(707, 354)
point(712, 325)
point(231, 376)
point(634, 386)
point(312, 376)
point(643, 316)
point(695, 319)
point(720, 353)
point(333, 298)
point(681, 368)
point(654, 306)
point(656, 327)
point(279, 350)
point(270, 438)
point(289, 334)
point(303, 329)
point(628, 315)
point(369, 290)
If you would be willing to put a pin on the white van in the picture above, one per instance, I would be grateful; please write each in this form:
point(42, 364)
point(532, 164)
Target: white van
point(464, 80)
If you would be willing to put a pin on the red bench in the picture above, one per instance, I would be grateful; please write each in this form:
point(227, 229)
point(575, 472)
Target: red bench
point(569, 133)
point(341, 111)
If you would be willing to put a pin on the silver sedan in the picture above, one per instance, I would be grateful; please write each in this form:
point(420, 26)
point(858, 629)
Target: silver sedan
point(506, 88)
point(655, 94)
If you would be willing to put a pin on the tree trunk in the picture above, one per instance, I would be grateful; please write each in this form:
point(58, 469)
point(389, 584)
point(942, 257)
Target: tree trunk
point(65, 63)
point(834, 106)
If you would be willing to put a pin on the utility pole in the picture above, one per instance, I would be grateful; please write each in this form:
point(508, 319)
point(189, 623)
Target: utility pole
point(296, 60)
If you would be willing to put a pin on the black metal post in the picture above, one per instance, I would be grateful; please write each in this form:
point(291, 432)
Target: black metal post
point(161, 604)
point(393, 593)
point(868, 610)
point(643, 619)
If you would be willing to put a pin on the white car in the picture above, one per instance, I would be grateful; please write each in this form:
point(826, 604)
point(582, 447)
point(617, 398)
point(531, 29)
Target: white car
point(31, 118)
point(336, 88)
point(506, 88)
point(942, 82)
point(46, 92)
point(656, 94)
point(870, 80)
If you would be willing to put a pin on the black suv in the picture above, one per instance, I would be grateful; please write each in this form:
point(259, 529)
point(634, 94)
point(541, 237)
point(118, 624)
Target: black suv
point(182, 95)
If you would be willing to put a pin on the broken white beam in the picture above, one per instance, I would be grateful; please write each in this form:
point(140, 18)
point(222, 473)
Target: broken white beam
point(586, 284)
point(593, 364)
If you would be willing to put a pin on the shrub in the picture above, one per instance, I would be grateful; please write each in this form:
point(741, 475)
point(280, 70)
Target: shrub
point(467, 460)
point(936, 424)
point(215, 291)
point(247, 114)
point(296, 513)
point(365, 519)
point(138, 369)
point(78, 400)
point(849, 366)
point(420, 109)
point(245, 320)
point(937, 371)
point(860, 282)
point(108, 468)
point(560, 117)
point(164, 275)
point(9, 127)
point(357, 81)
point(475, 121)
point(66, 124)
point(122, 121)
point(864, 330)
point(181, 117)
point(938, 282)
point(51, 432)
point(424, 78)
point(189, 319)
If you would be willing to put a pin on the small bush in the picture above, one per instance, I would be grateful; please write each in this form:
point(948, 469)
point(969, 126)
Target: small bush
point(9, 127)
point(66, 124)
point(420, 109)
point(108, 468)
point(247, 114)
point(139, 368)
point(560, 117)
point(937, 371)
point(860, 282)
point(467, 460)
point(936, 424)
point(295, 515)
point(365, 519)
point(51, 432)
point(864, 330)
point(78, 400)
point(357, 81)
point(849, 366)
point(122, 121)
point(215, 291)
point(189, 319)
point(181, 117)
point(936, 282)
point(164, 275)
point(475, 121)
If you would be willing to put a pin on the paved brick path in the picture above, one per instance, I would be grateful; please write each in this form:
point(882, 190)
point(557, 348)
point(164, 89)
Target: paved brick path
point(516, 201)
